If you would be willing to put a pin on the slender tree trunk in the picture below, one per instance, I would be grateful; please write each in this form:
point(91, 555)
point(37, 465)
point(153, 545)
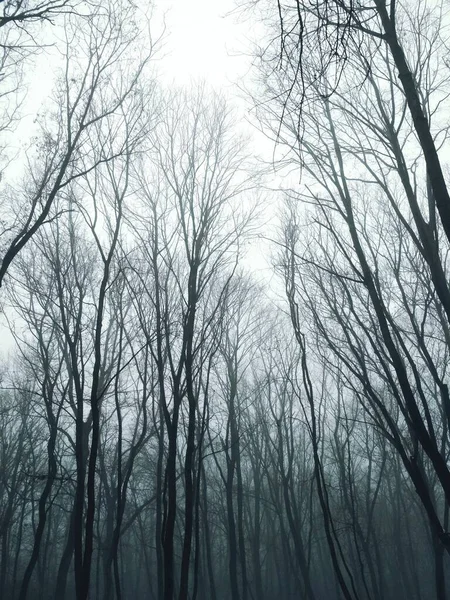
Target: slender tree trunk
point(232, 537)
point(66, 559)
point(159, 508)
point(42, 508)
point(240, 517)
point(169, 521)
point(207, 535)
point(189, 503)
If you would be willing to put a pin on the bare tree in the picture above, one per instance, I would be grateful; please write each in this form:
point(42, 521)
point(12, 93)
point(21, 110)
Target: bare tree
point(99, 78)
point(194, 231)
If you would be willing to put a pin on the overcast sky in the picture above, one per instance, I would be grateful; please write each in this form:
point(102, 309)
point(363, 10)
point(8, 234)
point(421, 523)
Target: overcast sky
point(205, 40)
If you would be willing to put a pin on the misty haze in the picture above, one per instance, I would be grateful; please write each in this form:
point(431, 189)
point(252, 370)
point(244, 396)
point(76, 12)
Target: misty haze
point(224, 300)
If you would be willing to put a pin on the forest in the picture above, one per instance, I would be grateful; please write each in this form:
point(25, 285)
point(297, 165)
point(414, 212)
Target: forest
point(175, 425)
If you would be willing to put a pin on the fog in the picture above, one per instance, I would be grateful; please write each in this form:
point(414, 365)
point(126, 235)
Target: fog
point(224, 300)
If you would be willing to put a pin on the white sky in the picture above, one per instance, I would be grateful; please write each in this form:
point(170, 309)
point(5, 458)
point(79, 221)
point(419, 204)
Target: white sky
point(204, 41)
point(210, 40)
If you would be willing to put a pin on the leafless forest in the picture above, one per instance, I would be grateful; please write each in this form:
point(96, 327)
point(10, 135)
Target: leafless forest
point(173, 425)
